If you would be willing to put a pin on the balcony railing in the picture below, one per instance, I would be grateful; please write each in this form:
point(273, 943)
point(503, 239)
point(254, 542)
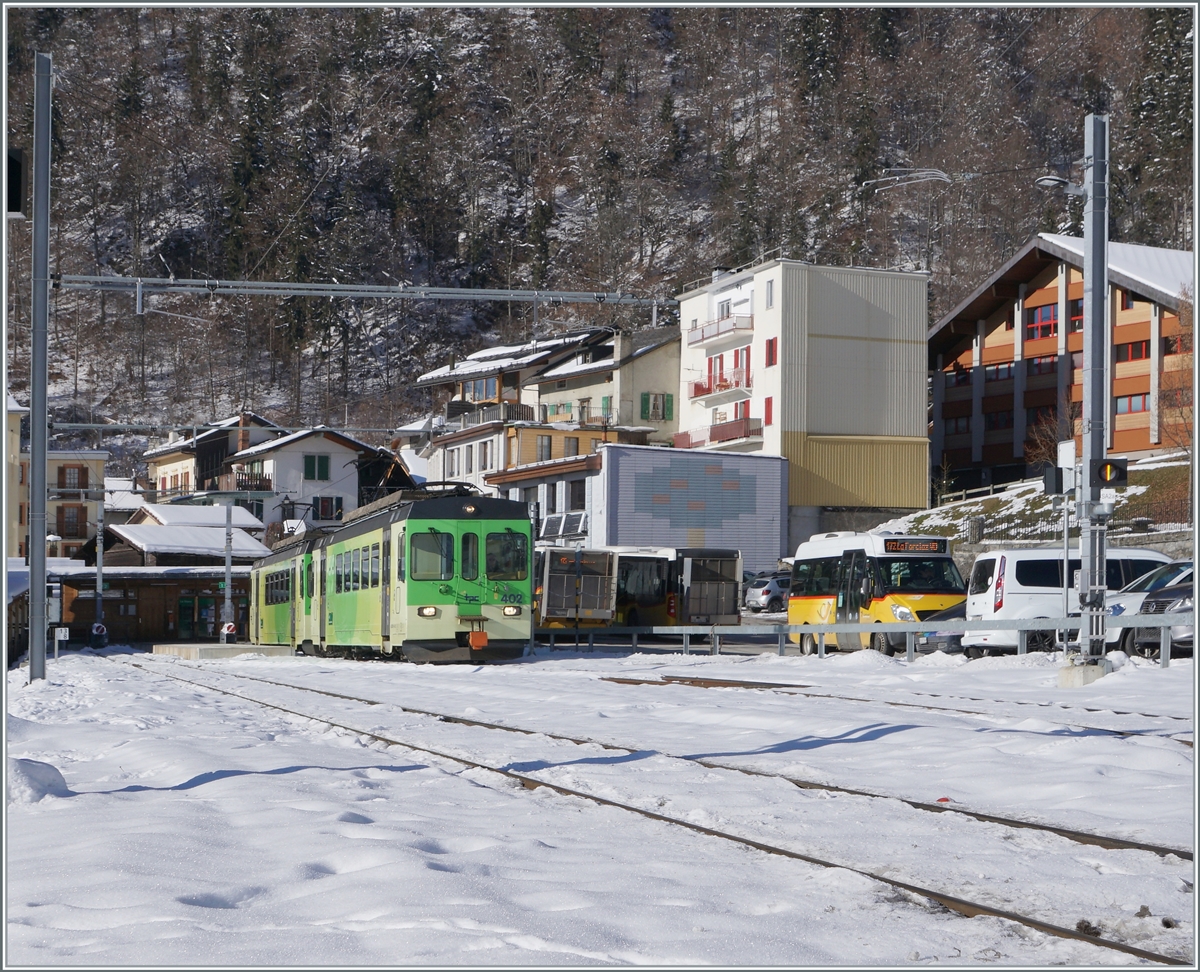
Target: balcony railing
point(726, 381)
point(244, 482)
point(716, 435)
point(720, 328)
point(503, 412)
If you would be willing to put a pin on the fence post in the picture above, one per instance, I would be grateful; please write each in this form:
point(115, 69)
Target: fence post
point(821, 645)
point(910, 645)
point(1164, 647)
point(782, 638)
point(634, 641)
point(716, 644)
point(591, 641)
point(552, 639)
point(687, 643)
point(1022, 641)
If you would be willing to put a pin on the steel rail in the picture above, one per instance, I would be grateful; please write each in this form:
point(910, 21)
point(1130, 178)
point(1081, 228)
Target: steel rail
point(137, 286)
point(1078, 836)
point(962, 906)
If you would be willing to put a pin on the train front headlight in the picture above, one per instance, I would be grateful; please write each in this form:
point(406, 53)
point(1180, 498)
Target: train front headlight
point(427, 612)
point(511, 610)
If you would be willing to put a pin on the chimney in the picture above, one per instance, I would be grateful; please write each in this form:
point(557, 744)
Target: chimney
point(243, 440)
point(718, 273)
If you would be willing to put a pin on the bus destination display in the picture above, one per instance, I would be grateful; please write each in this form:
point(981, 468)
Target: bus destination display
point(914, 546)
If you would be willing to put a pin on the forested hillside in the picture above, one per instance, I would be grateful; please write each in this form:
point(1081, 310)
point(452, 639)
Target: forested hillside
point(583, 149)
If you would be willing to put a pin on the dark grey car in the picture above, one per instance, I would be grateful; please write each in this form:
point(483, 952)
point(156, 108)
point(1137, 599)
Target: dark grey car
point(1175, 599)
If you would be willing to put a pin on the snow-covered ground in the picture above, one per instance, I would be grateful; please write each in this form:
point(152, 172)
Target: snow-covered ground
point(157, 821)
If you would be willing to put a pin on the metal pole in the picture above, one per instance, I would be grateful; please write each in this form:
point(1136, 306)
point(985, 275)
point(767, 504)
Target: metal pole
point(227, 607)
point(99, 612)
point(821, 645)
point(1095, 395)
point(910, 645)
point(39, 306)
point(1164, 647)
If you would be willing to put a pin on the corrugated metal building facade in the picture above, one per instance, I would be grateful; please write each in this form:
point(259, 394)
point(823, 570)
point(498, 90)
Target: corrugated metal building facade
point(645, 496)
point(830, 372)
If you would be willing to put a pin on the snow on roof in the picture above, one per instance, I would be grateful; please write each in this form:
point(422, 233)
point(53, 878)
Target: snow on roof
point(122, 494)
point(491, 361)
point(201, 541)
point(1168, 271)
point(15, 406)
point(422, 424)
point(575, 368)
point(186, 515)
point(148, 573)
point(206, 430)
point(18, 578)
point(272, 444)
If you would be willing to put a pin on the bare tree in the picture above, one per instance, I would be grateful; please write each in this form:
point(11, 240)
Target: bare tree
point(1053, 427)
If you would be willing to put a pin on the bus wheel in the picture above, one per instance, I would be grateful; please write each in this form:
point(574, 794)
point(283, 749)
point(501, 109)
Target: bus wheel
point(879, 641)
point(808, 645)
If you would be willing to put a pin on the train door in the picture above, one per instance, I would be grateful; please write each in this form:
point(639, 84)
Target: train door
point(322, 602)
point(385, 593)
point(254, 608)
point(293, 594)
point(852, 574)
point(470, 568)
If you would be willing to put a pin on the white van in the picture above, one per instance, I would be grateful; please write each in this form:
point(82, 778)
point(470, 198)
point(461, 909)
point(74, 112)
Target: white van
point(1012, 584)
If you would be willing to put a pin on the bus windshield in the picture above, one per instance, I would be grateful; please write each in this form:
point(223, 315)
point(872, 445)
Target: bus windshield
point(933, 575)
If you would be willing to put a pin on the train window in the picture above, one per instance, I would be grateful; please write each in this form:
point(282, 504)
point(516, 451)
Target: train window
point(400, 564)
point(374, 564)
point(366, 567)
point(432, 556)
point(355, 563)
point(387, 560)
point(337, 574)
point(311, 578)
point(322, 579)
point(507, 556)
point(470, 556)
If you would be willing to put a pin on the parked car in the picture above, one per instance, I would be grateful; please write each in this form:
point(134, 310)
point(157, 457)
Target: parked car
point(1016, 584)
point(1174, 599)
point(1129, 599)
point(948, 641)
point(769, 593)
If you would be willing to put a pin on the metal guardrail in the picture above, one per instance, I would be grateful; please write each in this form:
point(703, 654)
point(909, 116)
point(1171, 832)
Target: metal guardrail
point(1164, 622)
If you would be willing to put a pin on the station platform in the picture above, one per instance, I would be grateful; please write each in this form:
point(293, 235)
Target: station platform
point(194, 651)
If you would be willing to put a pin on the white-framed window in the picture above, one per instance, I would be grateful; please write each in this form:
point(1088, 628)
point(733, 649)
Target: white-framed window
point(485, 456)
point(770, 295)
point(724, 308)
point(468, 459)
point(451, 463)
point(327, 508)
point(657, 407)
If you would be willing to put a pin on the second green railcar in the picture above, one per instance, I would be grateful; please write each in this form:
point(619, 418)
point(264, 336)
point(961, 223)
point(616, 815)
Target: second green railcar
point(443, 578)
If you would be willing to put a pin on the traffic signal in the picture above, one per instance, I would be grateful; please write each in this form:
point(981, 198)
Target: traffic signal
point(16, 178)
point(1110, 473)
point(1052, 479)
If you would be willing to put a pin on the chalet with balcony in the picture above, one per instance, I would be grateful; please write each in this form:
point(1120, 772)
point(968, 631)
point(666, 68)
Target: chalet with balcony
point(628, 380)
point(193, 457)
point(1006, 364)
point(821, 365)
point(75, 484)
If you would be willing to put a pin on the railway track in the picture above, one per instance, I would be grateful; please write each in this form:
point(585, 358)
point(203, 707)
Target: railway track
point(1083, 932)
point(1078, 836)
point(788, 688)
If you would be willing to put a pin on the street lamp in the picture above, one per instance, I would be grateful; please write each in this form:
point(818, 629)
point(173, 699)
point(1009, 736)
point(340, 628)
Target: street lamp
point(1091, 512)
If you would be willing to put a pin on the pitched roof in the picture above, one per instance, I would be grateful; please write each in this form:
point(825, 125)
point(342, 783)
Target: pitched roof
point(200, 541)
point(1151, 272)
point(15, 406)
point(122, 494)
point(574, 369)
point(204, 431)
point(493, 361)
point(284, 440)
point(187, 515)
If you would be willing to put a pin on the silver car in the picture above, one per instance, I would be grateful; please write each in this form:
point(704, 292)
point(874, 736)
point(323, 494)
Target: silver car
point(769, 593)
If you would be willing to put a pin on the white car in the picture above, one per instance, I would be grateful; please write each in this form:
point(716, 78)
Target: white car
point(1129, 599)
point(1016, 584)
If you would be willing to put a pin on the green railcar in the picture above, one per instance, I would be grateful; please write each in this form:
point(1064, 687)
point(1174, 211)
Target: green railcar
point(443, 578)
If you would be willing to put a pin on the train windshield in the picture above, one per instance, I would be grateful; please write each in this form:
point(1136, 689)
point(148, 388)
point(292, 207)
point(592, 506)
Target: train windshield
point(432, 556)
point(932, 575)
point(507, 556)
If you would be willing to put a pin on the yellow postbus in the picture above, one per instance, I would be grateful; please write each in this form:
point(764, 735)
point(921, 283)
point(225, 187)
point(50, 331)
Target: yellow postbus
point(879, 578)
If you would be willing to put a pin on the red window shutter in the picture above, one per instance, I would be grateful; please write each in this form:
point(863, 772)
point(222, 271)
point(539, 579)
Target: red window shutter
point(768, 411)
point(62, 478)
point(61, 518)
point(83, 478)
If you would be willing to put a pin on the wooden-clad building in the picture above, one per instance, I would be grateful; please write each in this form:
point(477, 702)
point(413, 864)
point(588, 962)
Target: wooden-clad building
point(1010, 357)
